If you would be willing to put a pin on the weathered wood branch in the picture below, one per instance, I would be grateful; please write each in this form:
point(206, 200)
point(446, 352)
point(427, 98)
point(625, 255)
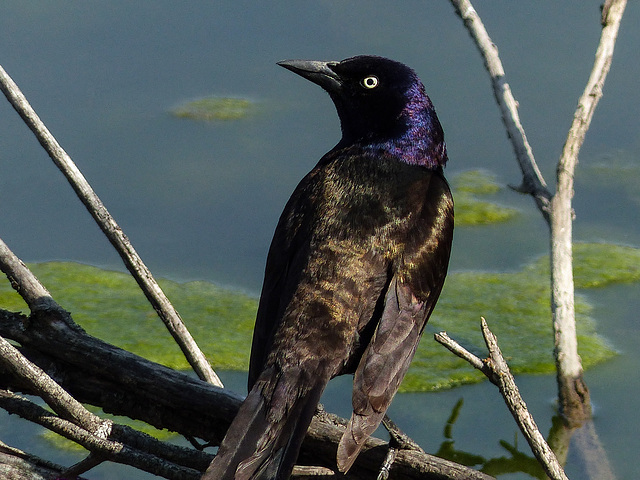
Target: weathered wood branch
point(532, 181)
point(122, 383)
point(497, 371)
point(106, 447)
point(573, 398)
point(573, 393)
point(57, 398)
point(36, 296)
point(111, 229)
point(18, 465)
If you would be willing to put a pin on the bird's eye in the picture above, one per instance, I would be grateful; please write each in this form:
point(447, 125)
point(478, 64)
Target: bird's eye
point(369, 82)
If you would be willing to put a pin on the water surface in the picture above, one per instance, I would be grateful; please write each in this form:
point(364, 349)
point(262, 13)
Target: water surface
point(200, 200)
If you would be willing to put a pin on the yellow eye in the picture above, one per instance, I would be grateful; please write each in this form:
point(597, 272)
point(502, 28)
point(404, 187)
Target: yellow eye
point(369, 82)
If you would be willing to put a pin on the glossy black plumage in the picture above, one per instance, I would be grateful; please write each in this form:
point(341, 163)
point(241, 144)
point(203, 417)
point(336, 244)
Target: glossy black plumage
point(356, 265)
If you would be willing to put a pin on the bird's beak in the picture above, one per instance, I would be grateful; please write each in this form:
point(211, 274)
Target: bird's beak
point(320, 73)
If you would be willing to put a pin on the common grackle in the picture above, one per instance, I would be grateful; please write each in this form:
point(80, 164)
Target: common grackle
point(356, 265)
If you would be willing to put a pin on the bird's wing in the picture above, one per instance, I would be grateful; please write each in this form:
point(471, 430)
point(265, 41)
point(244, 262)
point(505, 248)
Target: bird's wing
point(287, 256)
point(409, 300)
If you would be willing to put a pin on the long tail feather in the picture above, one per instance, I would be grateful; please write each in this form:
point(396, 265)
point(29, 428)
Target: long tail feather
point(264, 439)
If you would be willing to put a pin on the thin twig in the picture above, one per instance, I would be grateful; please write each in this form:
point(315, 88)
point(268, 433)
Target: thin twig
point(399, 439)
point(532, 181)
point(497, 371)
point(112, 230)
point(16, 464)
point(90, 461)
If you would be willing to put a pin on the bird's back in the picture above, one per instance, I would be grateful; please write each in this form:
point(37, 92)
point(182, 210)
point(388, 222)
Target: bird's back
point(360, 212)
point(356, 265)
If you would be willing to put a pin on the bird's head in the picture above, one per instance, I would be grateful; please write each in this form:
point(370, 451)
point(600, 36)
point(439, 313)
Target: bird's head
point(381, 104)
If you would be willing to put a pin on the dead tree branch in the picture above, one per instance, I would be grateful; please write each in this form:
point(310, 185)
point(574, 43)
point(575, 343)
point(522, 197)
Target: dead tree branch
point(36, 296)
point(18, 465)
point(573, 393)
point(532, 181)
point(122, 383)
point(11, 360)
point(112, 230)
point(497, 371)
point(106, 448)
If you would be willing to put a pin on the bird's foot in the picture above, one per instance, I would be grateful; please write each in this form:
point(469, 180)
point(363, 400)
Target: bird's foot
point(398, 441)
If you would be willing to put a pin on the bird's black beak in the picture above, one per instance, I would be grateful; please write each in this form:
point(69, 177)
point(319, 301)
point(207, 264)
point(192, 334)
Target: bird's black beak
point(318, 72)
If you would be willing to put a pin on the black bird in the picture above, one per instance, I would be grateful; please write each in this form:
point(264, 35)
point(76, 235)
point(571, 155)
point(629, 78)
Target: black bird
point(356, 265)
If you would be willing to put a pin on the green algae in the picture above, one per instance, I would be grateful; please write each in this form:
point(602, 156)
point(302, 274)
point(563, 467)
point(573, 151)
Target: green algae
point(477, 182)
point(516, 307)
point(215, 108)
point(110, 306)
point(470, 190)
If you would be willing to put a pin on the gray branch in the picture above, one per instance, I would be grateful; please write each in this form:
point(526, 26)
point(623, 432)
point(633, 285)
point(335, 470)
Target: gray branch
point(106, 448)
point(573, 393)
point(532, 181)
point(497, 371)
point(111, 229)
point(122, 383)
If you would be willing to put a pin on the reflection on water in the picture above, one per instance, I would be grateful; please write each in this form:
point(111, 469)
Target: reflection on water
point(200, 200)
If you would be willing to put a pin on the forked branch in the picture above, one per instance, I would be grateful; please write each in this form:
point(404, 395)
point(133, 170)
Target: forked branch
point(497, 371)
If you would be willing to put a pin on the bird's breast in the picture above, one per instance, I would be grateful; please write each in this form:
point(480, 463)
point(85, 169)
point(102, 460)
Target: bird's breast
point(371, 201)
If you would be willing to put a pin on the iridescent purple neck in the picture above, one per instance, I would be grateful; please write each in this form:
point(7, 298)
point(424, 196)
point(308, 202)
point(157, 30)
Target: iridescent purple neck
point(421, 141)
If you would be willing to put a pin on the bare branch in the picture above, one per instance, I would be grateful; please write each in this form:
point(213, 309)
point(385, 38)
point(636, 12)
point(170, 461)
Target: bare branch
point(114, 450)
point(101, 374)
point(573, 393)
point(23, 281)
point(18, 465)
point(532, 181)
point(497, 371)
point(112, 230)
point(572, 390)
point(454, 347)
point(85, 428)
point(56, 397)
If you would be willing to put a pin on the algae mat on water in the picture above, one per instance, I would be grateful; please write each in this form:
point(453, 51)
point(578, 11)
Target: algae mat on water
point(109, 305)
point(472, 190)
point(216, 108)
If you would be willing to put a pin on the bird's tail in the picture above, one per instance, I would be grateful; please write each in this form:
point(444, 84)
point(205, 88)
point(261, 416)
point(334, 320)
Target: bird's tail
point(264, 439)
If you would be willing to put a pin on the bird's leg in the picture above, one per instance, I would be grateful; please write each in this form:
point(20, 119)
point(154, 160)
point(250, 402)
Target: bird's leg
point(398, 441)
point(386, 465)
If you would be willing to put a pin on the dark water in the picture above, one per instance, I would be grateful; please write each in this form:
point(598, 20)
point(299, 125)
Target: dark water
point(200, 201)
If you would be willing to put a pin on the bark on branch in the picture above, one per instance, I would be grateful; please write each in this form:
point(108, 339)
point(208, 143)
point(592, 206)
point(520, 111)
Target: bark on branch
point(532, 181)
point(122, 383)
point(574, 399)
point(497, 371)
